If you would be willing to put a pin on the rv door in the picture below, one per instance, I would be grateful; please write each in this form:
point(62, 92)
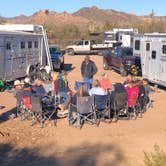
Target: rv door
point(145, 57)
point(8, 58)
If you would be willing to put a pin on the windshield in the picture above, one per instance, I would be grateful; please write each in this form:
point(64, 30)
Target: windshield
point(54, 50)
point(128, 51)
point(124, 51)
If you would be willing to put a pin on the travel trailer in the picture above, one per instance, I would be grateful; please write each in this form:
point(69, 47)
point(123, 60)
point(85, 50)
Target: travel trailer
point(151, 47)
point(122, 35)
point(20, 47)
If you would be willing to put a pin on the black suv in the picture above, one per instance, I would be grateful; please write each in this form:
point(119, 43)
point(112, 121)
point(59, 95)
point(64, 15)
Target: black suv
point(122, 60)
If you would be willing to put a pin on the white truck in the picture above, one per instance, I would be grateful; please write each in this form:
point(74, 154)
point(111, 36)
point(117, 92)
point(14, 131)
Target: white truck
point(87, 47)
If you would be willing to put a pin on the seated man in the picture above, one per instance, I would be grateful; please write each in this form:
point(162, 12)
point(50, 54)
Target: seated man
point(63, 93)
point(38, 88)
point(97, 89)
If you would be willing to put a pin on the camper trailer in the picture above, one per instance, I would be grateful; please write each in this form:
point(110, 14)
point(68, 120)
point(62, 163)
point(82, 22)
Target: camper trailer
point(151, 47)
point(122, 35)
point(20, 47)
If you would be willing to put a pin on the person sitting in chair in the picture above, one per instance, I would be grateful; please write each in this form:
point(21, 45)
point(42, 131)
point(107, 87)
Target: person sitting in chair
point(81, 92)
point(97, 89)
point(38, 88)
point(105, 82)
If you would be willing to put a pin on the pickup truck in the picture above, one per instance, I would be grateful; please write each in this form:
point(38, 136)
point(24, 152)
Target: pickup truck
point(57, 57)
point(87, 47)
point(122, 60)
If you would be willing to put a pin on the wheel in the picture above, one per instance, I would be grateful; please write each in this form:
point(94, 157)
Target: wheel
point(123, 72)
point(70, 51)
point(105, 65)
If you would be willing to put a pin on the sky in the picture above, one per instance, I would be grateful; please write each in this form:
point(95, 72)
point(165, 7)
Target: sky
point(11, 8)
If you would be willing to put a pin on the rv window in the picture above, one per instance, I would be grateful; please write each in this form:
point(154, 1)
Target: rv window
point(137, 44)
point(164, 49)
point(147, 46)
point(29, 44)
point(22, 45)
point(153, 54)
point(8, 46)
point(36, 44)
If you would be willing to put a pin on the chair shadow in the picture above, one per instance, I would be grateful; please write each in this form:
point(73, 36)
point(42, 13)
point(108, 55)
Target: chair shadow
point(82, 155)
point(7, 115)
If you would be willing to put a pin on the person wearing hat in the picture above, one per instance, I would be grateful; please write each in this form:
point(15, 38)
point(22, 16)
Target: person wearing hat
point(18, 86)
point(88, 69)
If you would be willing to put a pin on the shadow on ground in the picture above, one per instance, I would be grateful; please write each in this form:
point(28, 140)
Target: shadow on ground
point(83, 155)
point(8, 114)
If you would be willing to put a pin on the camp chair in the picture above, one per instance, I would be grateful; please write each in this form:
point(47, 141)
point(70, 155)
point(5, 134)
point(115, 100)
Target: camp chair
point(25, 108)
point(42, 110)
point(118, 100)
point(85, 111)
point(102, 106)
point(133, 107)
point(79, 83)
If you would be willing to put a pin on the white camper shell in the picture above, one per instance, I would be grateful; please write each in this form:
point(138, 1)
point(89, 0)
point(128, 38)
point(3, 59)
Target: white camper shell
point(151, 47)
point(122, 35)
point(20, 47)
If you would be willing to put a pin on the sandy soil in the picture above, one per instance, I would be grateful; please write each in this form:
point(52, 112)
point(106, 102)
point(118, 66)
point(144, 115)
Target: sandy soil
point(115, 144)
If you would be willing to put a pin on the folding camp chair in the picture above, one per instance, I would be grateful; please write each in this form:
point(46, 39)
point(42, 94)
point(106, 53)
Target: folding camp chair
point(79, 83)
point(25, 108)
point(43, 109)
point(85, 111)
point(102, 106)
point(118, 100)
point(133, 107)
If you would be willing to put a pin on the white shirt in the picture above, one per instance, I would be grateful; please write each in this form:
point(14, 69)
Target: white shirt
point(97, 91)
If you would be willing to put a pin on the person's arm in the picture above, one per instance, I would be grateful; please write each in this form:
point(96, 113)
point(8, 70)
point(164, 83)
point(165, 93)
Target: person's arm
point(94, 71)
point(82, 68)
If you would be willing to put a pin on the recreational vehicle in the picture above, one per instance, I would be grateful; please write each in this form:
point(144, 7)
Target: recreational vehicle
point(122, 35)
point(20, 47)
point(151, 47)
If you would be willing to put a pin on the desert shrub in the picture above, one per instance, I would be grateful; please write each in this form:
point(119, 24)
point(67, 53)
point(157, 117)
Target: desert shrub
point(156, 158)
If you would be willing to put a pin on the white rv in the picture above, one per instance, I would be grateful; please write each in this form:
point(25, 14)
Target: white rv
point(20, 47)
point(122, 35)
point(151, 47)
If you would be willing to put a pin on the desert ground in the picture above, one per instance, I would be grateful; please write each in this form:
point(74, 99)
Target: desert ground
point(115, 144)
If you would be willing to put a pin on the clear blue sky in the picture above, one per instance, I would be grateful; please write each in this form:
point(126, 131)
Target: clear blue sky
point(11, 8)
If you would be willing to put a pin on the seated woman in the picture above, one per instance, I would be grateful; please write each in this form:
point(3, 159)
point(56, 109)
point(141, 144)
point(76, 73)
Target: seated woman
point(97, 89)
point(105, 82)
point(81, 92)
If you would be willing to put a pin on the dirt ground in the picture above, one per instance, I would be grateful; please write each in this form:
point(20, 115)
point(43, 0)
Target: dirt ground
point(114, 144)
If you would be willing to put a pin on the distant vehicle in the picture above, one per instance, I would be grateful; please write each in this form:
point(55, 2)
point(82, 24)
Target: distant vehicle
point(122, 35)
point(57, 57)
point(87, 47)
point(22, 46)
point(151, 47)
point(122, 60)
